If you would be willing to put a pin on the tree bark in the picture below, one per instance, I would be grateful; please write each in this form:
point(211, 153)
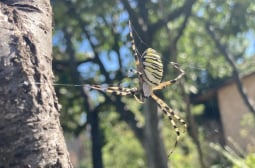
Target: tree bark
point(30, 131)
point(154, 147)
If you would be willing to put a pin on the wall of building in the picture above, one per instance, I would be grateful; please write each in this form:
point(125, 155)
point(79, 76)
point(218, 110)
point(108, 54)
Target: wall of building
point(238, 122)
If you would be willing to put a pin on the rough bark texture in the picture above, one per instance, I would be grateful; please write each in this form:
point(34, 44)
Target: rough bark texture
point(30, 131)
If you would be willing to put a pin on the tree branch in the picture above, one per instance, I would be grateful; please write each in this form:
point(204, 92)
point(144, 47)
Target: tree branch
point(135, 20)
point(56, 63)
point(83, 24)
point(248, 102)
point(115, 45)
point(183, 26)
point(187, 6)
point(129, 117)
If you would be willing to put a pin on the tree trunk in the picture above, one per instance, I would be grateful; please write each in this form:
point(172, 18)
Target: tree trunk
point(96, 139)
point(155, 152)
point(30, 131)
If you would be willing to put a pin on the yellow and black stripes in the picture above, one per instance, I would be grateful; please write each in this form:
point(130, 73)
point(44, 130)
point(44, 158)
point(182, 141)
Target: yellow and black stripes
point(121, 91)
point(152, 67)
point(149, 69)
point(167, 83)
point(171, 116)
point(115, 89)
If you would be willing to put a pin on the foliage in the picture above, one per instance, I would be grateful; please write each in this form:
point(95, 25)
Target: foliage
point(121, 145)
point(94, 35)
point(234, 158)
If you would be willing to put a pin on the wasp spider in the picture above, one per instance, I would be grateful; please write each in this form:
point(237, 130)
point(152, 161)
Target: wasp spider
point(150, 73)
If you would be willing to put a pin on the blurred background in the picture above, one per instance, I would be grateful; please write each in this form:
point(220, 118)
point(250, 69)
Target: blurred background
point(212, 40)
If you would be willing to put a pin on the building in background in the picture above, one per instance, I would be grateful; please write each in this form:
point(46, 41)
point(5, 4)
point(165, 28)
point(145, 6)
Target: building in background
point(226, 116)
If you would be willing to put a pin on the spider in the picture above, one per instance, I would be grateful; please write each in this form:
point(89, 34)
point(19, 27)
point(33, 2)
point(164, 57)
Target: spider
point(150, 72)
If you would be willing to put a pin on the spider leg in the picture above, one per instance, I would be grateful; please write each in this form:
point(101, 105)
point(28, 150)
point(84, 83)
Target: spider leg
point(134, 71)
point(114, 89)
point(170, 114)
point(167, 83)
point(119, 91)
point(137, 63)
point(139, 99)
point(133, 45)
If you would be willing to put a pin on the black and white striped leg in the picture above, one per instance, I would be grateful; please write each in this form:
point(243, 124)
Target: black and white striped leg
point(167, 83)
point(119, 91)
point(171, 116)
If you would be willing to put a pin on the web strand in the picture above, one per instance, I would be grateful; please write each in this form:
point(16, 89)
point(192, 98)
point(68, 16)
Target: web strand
point(55, 84)
point(88, 85)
